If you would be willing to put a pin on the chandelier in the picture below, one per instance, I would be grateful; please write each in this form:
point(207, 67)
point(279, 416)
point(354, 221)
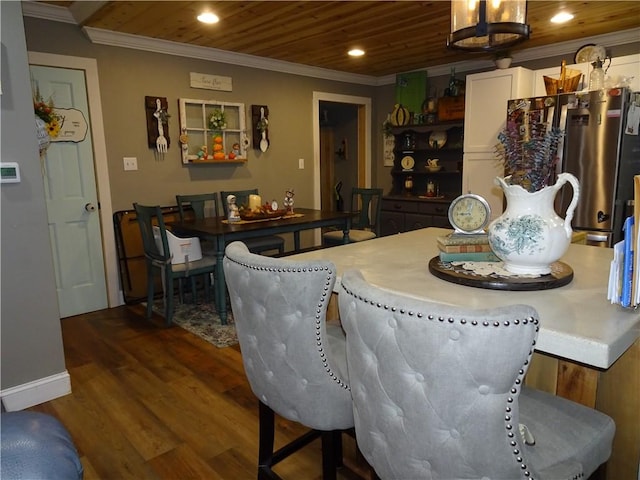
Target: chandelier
point(487, 25)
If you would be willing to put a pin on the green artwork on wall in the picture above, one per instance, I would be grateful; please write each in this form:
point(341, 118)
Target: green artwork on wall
point(411, 90)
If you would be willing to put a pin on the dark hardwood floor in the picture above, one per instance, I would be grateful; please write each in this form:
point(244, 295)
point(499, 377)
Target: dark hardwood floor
point(160, 403)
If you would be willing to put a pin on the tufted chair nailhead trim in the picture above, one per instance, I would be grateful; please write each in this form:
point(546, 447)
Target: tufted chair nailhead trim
point(319, 319)
point(462, 321)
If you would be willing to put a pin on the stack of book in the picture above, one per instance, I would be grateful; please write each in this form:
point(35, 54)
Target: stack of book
point(466, 248)
point(624, 275)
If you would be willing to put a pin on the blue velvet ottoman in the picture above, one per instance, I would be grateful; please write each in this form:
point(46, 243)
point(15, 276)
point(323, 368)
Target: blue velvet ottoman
point(36, 446)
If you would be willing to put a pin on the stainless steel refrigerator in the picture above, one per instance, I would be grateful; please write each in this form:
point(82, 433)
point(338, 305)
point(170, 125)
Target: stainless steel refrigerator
point(595, 149)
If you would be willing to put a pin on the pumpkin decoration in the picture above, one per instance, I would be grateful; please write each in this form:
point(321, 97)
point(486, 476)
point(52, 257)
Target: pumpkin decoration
point(399, 116)
point(217, 139)
point(217, 147)
point(218, 156)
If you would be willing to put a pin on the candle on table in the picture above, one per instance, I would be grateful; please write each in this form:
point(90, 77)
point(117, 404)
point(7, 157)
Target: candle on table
point(254, 202)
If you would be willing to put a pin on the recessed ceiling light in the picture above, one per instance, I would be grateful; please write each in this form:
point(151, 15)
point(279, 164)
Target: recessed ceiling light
point(561, 17)
point(356, 52)
point(208, 17)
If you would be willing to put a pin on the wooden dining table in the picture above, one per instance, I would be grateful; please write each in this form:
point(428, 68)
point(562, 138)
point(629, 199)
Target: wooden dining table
point(220, 231)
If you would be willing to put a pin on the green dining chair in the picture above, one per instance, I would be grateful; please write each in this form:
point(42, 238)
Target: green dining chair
point(366, 203)
point(160, 258)
point(259, 244)
point(202, 205)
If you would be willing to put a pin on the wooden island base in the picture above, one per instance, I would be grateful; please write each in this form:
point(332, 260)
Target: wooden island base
point(615, 391)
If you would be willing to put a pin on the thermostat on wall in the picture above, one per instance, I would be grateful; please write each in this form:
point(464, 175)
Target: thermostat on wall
point(9, 172)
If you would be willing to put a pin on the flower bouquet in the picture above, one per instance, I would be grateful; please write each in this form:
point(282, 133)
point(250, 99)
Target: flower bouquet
point(217, 120)
point(44, 110)
point(262, 125)
point(528, 149)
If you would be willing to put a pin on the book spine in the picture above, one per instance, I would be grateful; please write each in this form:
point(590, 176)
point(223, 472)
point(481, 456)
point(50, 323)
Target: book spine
point(463, 239)
point(627, 264)
point(635, 284)
point(469, 257)
point(465, 248)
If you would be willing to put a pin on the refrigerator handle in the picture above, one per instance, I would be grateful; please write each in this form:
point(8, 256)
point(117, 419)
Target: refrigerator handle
point(594, 237)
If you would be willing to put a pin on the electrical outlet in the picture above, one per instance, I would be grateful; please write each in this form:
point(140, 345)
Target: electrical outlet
point(301, 163)
point(130, 163)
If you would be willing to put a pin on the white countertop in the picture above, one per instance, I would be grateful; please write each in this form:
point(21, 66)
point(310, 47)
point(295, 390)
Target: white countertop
point(577, 321)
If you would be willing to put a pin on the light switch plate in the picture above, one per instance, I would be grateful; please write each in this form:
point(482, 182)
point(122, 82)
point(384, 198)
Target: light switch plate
point(301, 163)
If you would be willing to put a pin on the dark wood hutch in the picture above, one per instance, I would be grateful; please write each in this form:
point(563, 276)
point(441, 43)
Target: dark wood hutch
point(419, 195)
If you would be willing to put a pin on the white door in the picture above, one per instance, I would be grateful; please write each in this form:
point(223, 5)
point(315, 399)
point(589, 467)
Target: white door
point(71, 195)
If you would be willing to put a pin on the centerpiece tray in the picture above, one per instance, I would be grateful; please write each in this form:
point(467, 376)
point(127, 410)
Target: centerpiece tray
point(561, 274)
point(271, 215)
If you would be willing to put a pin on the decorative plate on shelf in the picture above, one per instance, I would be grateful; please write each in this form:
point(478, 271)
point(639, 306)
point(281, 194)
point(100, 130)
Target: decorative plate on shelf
point(438, 139)
point(590, 53)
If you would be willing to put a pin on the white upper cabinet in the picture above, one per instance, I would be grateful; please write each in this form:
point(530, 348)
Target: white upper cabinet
point(624, 67)
point(485, 115)
point(486, 99)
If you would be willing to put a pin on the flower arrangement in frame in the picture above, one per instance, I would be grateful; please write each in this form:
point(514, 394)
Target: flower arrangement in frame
point(217, 120)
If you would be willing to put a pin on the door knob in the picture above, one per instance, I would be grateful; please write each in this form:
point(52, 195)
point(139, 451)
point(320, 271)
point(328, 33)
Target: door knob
point(90, 207)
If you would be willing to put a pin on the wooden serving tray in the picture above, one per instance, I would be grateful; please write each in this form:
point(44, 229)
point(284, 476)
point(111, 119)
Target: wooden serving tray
point(561, 275)
point(262, 215)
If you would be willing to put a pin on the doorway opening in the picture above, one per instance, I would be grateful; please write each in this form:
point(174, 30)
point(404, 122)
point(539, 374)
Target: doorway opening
point(347, 118)
point(338, 153)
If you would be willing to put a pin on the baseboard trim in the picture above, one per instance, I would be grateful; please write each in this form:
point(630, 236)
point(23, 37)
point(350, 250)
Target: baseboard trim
point(36, 392)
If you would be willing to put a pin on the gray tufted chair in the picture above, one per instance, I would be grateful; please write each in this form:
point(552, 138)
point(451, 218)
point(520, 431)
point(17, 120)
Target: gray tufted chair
point(294, 361)
point(437, 393)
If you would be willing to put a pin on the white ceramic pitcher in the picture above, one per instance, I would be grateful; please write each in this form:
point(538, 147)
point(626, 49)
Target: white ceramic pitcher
point(529, 236)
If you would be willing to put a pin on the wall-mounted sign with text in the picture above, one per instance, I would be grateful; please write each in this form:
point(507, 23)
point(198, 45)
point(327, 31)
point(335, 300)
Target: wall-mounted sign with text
point(73, 125)
point(210, 82)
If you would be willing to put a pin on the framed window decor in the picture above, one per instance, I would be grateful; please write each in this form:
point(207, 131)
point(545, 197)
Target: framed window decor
point(212, 131)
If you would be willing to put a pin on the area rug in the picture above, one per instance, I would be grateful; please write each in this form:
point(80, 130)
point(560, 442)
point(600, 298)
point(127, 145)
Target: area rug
point(203, 320)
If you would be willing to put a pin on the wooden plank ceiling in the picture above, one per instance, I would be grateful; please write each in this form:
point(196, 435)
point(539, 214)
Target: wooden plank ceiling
point(397, 36)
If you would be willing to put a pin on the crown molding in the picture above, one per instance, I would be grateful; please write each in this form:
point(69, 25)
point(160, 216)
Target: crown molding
point(138, 42)
point(125, 40)
point(621, 37)
point(47, 11)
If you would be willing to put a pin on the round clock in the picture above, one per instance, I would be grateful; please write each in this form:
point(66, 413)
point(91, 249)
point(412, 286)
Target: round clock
point(407, 162)
point(590, 53)
point(469, 213)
